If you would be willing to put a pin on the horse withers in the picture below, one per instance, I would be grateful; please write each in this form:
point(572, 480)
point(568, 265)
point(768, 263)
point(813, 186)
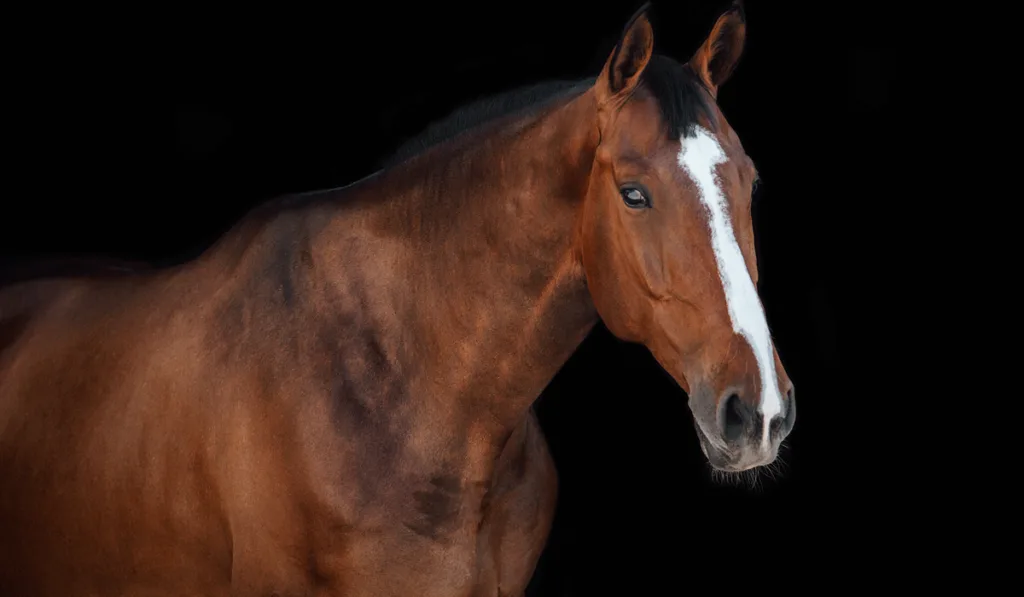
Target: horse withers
point(335, 398)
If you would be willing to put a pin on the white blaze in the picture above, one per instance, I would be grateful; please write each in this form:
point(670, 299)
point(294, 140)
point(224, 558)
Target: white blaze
point(699, 156)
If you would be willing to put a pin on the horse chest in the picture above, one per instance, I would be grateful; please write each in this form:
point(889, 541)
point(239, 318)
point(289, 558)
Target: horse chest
point(436, 534)
point(422, 540)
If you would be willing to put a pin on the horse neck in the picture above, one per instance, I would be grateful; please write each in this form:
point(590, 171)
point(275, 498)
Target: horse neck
point(489, 223)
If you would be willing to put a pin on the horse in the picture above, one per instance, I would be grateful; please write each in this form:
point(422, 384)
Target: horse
point(335, 397)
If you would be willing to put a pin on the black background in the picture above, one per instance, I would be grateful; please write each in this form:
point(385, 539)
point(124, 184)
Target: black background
point(144, 135)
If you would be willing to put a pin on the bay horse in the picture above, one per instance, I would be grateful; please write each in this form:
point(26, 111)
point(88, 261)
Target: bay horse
point(336, 396)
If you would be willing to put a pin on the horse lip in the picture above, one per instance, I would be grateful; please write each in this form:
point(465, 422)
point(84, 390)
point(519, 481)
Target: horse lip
point(702, 440)
point(720, 458)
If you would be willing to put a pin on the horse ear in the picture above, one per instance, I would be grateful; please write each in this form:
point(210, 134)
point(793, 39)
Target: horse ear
point(627, 61)
point(716, 58)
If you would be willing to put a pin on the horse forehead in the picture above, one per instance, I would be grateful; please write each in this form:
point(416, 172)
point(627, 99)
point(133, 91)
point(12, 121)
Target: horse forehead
point(700, 157)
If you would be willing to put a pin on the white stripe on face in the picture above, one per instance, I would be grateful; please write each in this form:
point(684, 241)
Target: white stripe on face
point(698, 157)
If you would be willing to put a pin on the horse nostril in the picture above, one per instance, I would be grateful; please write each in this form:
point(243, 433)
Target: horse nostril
point(790, 412)
point(735, 418)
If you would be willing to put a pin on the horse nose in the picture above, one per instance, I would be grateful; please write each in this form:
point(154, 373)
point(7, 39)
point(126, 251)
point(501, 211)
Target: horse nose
point(739, 419)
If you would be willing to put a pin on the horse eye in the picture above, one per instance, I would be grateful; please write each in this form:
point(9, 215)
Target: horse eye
point(635, 198)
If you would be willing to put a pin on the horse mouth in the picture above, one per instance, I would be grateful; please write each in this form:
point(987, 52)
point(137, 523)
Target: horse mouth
point(706, 446)
point(718, 459)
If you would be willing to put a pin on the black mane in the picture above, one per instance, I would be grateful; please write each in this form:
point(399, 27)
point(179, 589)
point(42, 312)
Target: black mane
point(674, 86)
point(14, 271)
point(680, 94)
point(481, 111)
